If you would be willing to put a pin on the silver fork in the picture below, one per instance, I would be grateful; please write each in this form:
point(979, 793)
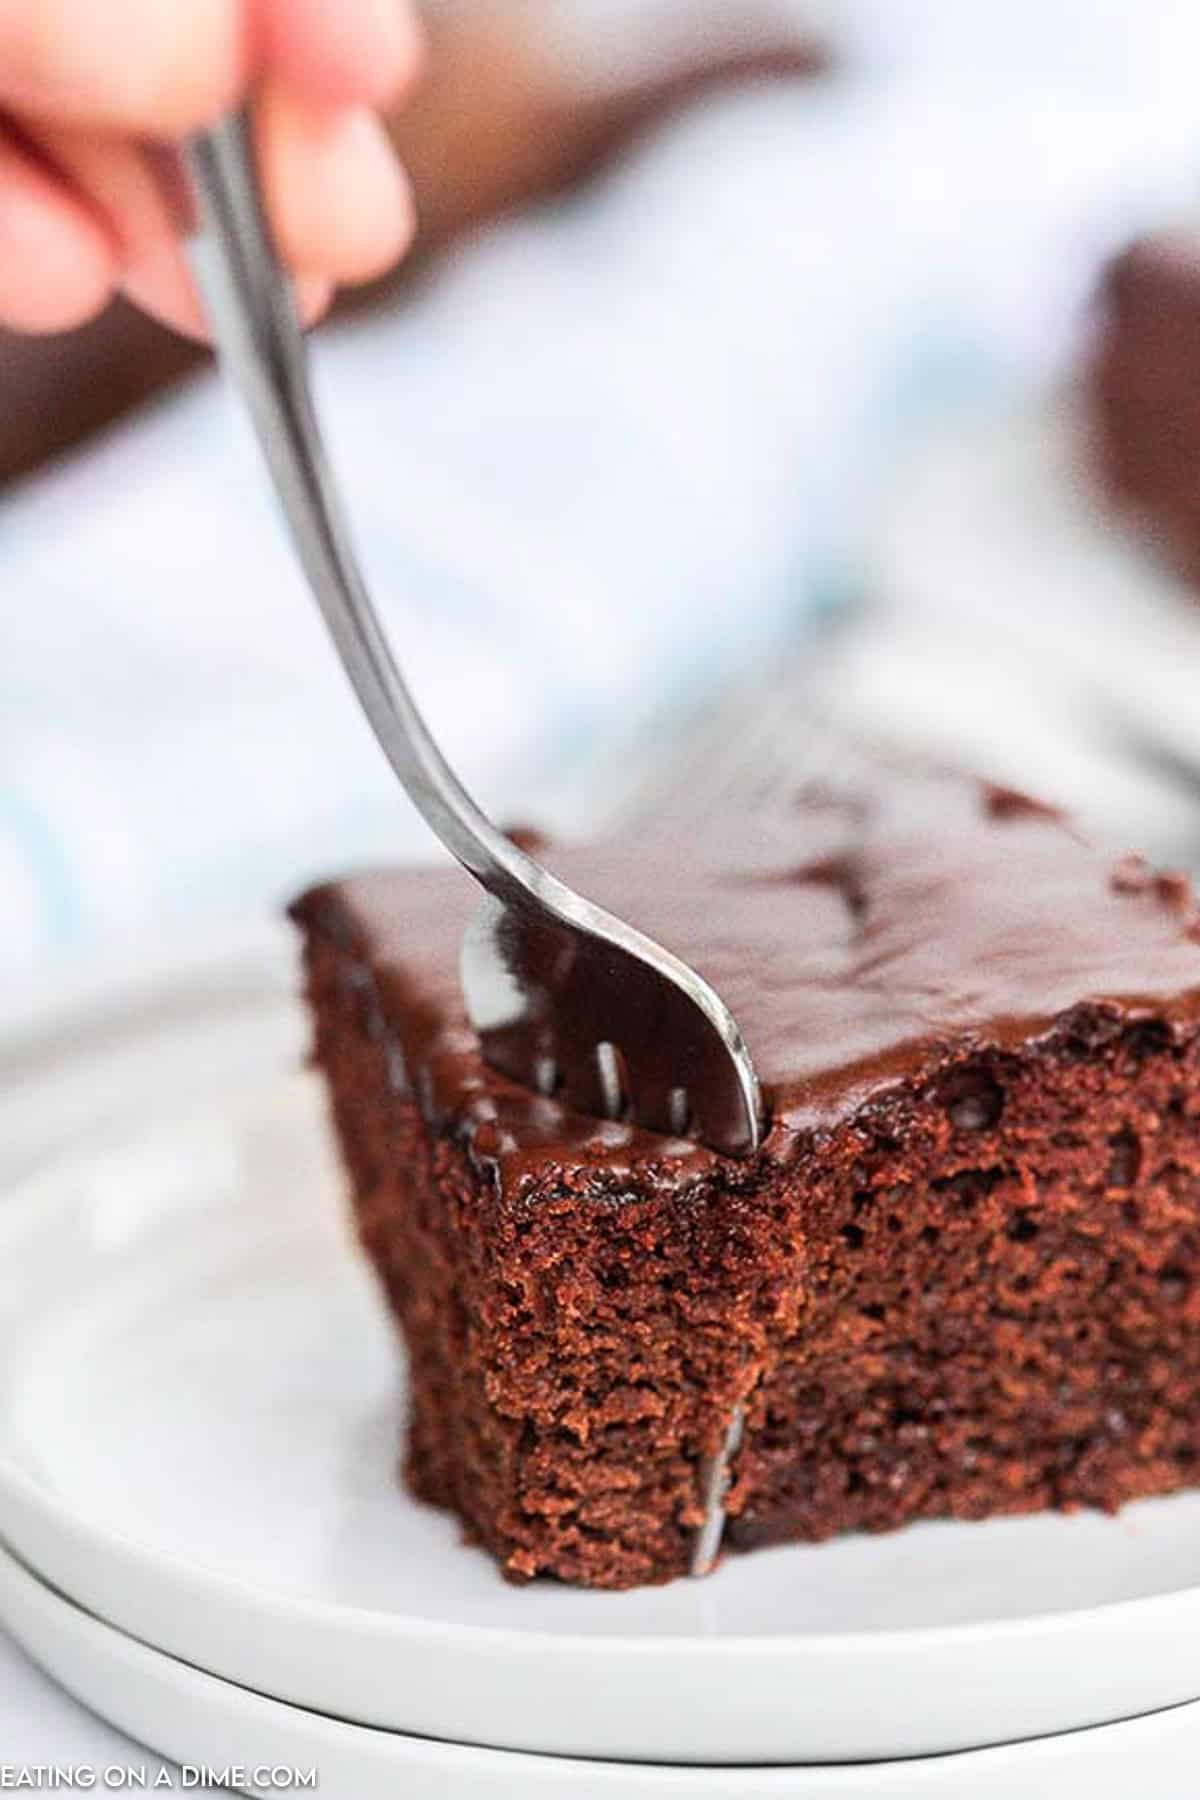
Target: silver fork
point(566, 998)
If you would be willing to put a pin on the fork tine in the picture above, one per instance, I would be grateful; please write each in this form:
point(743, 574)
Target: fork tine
point(613, 1079)
point(679, 1110)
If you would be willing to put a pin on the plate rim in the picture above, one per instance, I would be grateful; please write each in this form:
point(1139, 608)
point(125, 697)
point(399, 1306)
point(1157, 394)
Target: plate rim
point(58, 1620)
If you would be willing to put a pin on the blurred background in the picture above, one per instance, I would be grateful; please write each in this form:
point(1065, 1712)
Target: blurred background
point(763, 362)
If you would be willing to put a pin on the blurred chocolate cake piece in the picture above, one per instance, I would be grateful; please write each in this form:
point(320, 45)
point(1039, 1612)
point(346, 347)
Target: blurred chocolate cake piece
point(1145, 390)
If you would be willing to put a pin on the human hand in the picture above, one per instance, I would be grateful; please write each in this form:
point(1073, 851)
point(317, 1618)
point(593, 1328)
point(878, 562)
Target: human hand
point(86, 86)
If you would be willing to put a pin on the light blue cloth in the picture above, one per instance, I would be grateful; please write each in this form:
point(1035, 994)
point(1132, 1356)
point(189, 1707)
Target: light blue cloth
point(615, 454)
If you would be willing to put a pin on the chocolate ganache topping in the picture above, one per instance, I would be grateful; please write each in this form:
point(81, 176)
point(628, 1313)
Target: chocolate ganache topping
point(861, 938)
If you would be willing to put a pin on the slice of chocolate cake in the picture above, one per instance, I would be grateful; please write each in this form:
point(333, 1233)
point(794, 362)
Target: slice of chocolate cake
point(1144, 386)
point(961, 1277)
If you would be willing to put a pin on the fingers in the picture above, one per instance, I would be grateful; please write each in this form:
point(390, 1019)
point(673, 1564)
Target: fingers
point(120, 185)
point(340, 207)
point(340, 52)
point(58, 263)
point(90, 80)
point(161, 287)
point(160, 69)
point(339, 201)
point(154, 67)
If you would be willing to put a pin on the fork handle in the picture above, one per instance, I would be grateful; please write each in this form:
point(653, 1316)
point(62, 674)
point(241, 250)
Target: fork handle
point(249, 308)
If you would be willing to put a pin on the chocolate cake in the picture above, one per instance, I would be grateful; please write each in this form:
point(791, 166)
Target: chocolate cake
point(961, 1276)
point(1145, 390)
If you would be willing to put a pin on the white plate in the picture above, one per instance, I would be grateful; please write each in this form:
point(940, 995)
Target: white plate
point(198, 1426)
point(204, 1723)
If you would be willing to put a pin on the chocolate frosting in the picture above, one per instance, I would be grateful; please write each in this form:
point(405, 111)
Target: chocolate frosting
point(861, 938)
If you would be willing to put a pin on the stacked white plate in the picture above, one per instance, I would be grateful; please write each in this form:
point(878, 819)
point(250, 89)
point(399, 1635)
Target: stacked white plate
point(204, 1538)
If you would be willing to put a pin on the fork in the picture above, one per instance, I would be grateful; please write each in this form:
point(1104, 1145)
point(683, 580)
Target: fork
point(566, 998)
